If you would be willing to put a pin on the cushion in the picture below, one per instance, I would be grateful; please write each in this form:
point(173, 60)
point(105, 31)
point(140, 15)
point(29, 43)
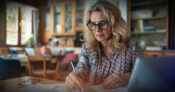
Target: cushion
point(70, 57)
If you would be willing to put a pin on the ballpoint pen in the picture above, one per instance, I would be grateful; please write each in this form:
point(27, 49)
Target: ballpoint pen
point(74, 70)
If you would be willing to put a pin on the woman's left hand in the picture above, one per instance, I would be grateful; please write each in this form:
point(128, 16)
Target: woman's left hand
point(116, 80)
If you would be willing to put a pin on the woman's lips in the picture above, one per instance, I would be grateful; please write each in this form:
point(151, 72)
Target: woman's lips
point(99, 35)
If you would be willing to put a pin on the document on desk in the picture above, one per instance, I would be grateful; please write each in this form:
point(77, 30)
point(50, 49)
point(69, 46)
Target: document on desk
point(43, 88)
point(99, 88)
point(62, 88)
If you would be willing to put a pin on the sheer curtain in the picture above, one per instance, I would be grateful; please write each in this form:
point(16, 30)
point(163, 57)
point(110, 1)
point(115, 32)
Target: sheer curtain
point(36, 26)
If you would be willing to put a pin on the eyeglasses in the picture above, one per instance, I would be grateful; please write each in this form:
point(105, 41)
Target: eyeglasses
point(103, 25)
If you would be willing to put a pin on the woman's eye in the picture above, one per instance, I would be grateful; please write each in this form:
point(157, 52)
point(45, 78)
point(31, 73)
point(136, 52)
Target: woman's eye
point(102, 24)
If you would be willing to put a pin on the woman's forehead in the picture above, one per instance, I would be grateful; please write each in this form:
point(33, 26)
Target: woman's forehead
point(97, 16)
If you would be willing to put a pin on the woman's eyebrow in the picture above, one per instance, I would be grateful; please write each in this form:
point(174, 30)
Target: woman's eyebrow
point(98, 22)
point(103, 20)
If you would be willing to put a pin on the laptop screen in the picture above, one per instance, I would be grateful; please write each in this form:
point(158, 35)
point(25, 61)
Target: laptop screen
point(30, 51)
point(153, 74)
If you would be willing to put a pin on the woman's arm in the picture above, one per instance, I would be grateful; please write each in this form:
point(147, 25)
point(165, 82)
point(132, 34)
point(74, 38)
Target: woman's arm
point(116, 80)
point(76, 79)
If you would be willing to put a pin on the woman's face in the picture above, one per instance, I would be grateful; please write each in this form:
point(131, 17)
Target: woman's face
point(103, 32)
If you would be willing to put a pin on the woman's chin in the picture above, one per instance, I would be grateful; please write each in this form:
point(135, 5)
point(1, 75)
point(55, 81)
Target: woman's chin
point(100, 40)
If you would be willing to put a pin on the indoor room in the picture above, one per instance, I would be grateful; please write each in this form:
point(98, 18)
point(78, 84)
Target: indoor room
point(87, 45)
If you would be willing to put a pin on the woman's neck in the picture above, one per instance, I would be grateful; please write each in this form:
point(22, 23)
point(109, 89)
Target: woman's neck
point(104, 44)
point(106, 49)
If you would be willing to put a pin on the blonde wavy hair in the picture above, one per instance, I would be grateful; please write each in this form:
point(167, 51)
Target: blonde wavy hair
point(119, 35)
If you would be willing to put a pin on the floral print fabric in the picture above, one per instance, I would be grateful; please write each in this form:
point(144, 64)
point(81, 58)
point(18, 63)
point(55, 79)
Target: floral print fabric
point(96, 67)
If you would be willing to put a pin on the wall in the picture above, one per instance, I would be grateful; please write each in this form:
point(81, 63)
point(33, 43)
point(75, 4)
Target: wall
point(123, 8)
point(2, 23)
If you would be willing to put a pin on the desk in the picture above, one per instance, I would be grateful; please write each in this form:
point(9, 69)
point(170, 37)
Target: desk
point(21, 82)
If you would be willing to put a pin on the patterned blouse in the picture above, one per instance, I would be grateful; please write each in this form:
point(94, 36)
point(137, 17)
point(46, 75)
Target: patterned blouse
point(98, 67)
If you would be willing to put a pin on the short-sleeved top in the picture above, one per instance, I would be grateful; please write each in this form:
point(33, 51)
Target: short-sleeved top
point(96, 67)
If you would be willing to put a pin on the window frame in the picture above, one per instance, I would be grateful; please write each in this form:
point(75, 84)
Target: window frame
point(19, 38)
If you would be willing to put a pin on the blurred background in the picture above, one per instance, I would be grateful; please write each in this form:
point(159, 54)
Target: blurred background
point(53, 28)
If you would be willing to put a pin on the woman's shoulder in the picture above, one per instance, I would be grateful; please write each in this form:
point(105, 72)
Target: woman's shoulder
point(132, 44)
point(84, 47)
point(85, 50)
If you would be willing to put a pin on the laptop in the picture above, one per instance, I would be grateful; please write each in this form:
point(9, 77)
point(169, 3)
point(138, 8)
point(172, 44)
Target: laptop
point(150, 74)
point(30, 51)
point(153, 74)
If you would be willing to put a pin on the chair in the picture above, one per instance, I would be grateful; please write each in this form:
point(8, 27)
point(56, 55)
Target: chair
point(38, 71)
point(70, 57)
point(9, 69)
point(65, 66)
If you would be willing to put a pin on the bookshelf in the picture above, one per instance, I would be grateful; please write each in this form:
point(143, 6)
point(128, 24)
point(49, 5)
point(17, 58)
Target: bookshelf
point(148, 22)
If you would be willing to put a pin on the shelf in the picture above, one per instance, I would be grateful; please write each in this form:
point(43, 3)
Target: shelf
point(148, 33)
point(57, 34)
point(80, 28)
point(147, 22)
point(159, 17)
point(79, 17)
point(148, 3)
point(65, 34)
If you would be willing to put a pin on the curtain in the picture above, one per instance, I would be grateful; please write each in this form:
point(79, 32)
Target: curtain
point(36, 27)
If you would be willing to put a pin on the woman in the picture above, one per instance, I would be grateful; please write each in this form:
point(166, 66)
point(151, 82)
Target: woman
point(108, 56)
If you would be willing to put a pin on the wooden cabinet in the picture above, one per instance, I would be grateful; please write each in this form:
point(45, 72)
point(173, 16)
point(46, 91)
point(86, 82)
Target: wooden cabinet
point(63, 18)
point(80, 12)
point(47, 18)
point(148, 22)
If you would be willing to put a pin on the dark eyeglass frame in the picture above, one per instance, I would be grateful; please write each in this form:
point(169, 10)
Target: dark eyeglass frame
point(99, 25)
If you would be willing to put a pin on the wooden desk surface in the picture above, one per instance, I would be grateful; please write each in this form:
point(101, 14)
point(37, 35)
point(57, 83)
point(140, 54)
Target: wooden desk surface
point(20, 82)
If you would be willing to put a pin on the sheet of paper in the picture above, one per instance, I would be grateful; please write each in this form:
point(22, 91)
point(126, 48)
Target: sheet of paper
point(99, 88)
point(43, 88)
point(62, 88)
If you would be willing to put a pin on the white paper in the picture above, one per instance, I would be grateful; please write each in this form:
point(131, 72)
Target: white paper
point(99, 88)
point(43, 88)
point(62, 88)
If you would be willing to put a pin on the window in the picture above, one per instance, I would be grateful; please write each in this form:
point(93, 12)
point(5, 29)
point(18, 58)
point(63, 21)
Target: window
point(19, 24)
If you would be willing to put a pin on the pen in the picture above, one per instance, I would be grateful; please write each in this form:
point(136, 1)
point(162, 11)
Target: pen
point(72, 66)
point(74, 70)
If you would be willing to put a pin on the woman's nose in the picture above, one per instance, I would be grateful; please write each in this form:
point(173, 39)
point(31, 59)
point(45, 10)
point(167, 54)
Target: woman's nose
point(97, 28)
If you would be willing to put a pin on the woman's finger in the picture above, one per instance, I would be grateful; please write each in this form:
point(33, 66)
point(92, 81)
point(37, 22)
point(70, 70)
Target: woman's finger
point(108, 80)
point(112, 84)
point(112, 81)
point(74, 82)
point(69, 82)
point(77, 80)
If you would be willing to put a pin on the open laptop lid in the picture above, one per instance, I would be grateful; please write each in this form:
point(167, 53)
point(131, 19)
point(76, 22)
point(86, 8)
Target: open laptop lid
point(30, 51)
point(153, 74)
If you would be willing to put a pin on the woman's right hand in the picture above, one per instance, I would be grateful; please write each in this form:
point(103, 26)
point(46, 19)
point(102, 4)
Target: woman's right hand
point(74, 82)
